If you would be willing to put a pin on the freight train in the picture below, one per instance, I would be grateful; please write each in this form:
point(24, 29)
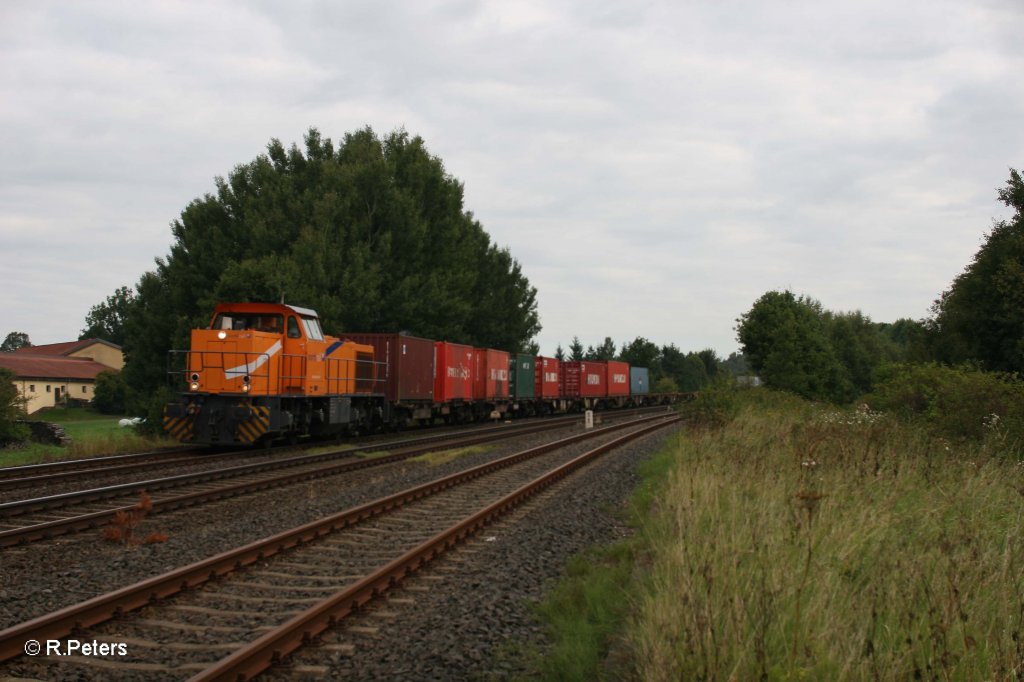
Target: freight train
point(266, 371)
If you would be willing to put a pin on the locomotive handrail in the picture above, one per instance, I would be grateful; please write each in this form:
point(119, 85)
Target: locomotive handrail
point(292, 375)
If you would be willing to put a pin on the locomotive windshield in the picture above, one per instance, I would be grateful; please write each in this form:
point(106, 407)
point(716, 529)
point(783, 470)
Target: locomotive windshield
point(260, 322)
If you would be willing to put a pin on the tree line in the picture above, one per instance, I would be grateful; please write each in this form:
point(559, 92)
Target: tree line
point(671, 370)
point(795, 344)
point(370, 232)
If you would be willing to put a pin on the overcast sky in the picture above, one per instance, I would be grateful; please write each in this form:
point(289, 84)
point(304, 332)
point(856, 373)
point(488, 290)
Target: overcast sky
point(654, 166)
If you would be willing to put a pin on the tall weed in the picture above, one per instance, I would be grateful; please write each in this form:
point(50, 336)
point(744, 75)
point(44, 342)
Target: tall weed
point(799, 542)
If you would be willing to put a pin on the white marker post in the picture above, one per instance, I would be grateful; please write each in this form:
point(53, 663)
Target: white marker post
point(588, 419)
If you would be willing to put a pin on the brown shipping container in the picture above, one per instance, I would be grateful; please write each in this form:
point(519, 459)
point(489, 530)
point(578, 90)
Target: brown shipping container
point(453, 372)
point(584, 379)
point(490, 374)
point(618, 378)
point(405, 365)
point(548, 382)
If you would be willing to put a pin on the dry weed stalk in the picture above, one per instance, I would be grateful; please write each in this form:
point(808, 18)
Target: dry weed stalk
point(122, 527)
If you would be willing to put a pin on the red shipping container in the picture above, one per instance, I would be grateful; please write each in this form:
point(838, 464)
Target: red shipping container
point(490, 374)
point(405, 365)
point(547, 382)
point(618, 378)
point(453, 372)
point(588, 379)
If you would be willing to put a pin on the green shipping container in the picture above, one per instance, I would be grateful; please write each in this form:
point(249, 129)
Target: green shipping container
point(521, 369)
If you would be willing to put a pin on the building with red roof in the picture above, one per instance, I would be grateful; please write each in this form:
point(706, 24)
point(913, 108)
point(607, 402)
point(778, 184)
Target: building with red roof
point(52, 374)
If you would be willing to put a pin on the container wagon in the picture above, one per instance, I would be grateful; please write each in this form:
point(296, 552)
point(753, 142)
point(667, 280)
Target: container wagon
point(453, 381)
point(405, 367)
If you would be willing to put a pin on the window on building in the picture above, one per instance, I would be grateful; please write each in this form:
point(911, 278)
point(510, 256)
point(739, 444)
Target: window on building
point(85, 389)
point(48, 388)
point(31, 388)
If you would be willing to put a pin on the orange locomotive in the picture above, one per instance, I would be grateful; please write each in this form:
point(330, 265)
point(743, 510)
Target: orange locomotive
point(265, 370)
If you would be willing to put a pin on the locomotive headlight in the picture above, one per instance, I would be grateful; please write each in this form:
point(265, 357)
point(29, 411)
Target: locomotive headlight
point(195, 385)
point(246, 388)
point(222, 335)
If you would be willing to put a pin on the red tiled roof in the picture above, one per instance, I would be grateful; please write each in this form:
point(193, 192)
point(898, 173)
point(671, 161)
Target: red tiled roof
point(27, 366)
point(65, 348)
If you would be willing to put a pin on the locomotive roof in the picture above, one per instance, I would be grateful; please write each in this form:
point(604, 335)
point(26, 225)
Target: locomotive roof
point(257, 306)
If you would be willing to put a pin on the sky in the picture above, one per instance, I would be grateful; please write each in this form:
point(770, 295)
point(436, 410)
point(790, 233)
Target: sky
point(655, 167)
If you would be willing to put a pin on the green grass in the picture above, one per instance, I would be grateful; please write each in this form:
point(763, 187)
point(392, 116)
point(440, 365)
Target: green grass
point(444, 456)
point(796, 541)
point(92, 434)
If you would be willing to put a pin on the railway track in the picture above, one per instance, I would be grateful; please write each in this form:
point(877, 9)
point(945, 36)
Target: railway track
point(76, 470)
point(35, 519)
point(288, 588)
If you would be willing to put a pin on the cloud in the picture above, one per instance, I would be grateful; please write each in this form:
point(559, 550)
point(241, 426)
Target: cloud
point(654, 166)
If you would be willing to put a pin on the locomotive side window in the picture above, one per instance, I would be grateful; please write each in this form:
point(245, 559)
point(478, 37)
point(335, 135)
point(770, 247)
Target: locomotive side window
point(261, 322)
point(293, 328)
point(313, 330)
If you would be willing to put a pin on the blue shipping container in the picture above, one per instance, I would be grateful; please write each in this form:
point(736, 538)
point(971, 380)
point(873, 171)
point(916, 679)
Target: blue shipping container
point(638, 381)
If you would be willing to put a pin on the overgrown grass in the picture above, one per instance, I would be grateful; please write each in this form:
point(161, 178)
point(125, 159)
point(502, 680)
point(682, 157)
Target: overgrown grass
point(444, 456)
point(804, 542)
point(92, 434)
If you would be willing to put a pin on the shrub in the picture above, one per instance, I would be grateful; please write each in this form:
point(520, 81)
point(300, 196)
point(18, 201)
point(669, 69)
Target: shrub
point(12, 408)
point(715, 405)
point(111, 393)
point(959, 402)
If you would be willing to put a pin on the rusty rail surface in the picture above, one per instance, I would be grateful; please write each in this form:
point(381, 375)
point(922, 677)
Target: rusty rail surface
point(410, 448)
point(276, 644)
point(104, 607)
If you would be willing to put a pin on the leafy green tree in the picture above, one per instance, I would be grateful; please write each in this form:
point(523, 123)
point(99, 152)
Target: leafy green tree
point(111, 393)
point(560, 353)
point(673, 363)
point(711, 362)
point(692, 373)
point(14, 341)
point(106, 320)
point(643, 353)
point(372, 233)
point(981, 316)
point(12, 408)
point(786, 342)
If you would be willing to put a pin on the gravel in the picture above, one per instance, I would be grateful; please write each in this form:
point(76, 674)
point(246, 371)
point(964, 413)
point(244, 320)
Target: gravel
point(455, 632)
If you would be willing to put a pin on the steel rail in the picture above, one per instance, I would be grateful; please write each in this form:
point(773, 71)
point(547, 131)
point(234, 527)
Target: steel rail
point(104, 607)
point(16, 507)
point(43, 531)
point(275, 645)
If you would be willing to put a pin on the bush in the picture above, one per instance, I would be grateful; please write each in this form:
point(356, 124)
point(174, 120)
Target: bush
point(715, 405)
point(111, 393)
point(12, 408)
point(960, 402)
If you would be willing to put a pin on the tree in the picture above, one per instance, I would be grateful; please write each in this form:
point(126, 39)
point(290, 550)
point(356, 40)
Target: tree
point(643, 353)
point(106, 320)
point(576, 353)
point(111, 393)
point(785, 341)
point(604, 352)
point(711, 362)
point(371, 233)
point(12, 408)
point(14, 341)
point(981, 316)
point(560, 353)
